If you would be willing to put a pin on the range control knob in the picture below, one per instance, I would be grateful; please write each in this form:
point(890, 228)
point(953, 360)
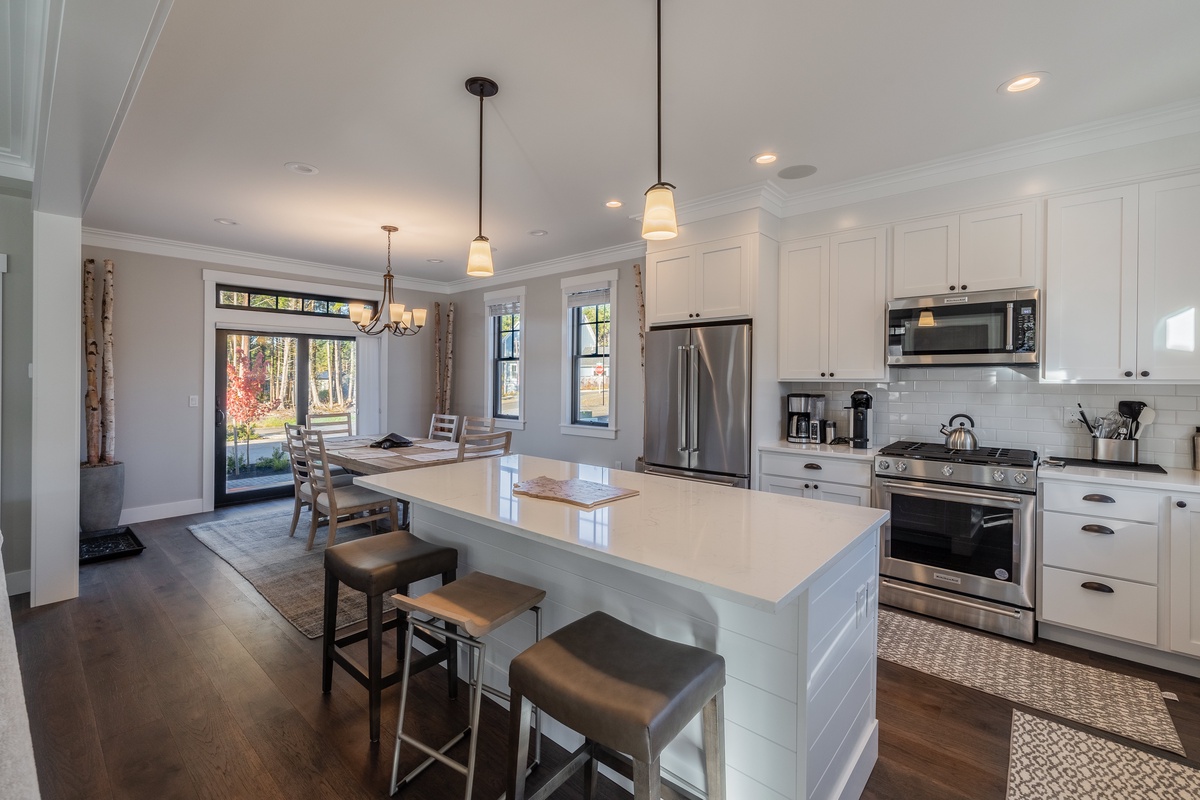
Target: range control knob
point(1021, 478)
point(998, 475)
point(947, 470)
point(884, 464)
point(901, 466)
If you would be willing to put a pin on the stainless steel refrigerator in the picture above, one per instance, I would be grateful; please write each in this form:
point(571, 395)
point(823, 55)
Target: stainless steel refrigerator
point(698, 403)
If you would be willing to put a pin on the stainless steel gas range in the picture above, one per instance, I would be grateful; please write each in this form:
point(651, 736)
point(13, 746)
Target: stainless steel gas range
point(960, 542)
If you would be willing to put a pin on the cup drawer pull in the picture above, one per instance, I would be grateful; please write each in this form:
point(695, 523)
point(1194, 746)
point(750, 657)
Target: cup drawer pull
point(1096, 586)
point(1092, 528)
point(1098, 498)
point(811, 465)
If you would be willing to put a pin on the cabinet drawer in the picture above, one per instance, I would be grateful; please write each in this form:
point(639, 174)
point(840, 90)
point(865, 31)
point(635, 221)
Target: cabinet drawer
point(1091, 498)
point(838, 470)
point(1083, 543)
point(1130, 611)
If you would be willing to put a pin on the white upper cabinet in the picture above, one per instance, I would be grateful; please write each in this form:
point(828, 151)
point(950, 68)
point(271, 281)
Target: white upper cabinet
point(1091, 286)
point(1168, 287)
point(832, 307)
point(977, 251)
point(1123, 284)
point(701, 282)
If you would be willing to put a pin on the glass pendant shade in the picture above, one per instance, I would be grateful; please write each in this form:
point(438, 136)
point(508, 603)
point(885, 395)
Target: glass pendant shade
point(658, 222)
point(479, 259)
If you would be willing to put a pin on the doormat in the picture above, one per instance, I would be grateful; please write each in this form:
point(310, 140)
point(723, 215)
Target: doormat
point(102, 547)
point(1113, 702)
point(1048, 761)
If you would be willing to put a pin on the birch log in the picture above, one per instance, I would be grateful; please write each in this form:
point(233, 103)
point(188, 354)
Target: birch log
point(449, 357)
point(641, 301)
point(437, 358)
point(91, 402)
point(107, 399)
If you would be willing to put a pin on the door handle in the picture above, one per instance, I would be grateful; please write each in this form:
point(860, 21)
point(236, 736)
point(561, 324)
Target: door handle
point(220, 417)
point(811, 465)
point(1008, 324)
point(681, 397)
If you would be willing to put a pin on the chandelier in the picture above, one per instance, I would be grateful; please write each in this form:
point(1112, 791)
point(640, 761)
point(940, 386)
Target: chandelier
point(369, 320)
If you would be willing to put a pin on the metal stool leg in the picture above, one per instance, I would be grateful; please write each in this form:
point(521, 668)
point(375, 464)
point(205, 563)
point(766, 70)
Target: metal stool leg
point(403, 702)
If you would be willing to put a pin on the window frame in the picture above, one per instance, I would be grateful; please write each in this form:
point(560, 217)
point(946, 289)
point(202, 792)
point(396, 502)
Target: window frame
point(492, 342)
point(573, 286)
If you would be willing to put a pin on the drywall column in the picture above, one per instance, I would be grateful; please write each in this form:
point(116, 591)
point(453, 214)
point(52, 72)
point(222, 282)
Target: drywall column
point(57, 242)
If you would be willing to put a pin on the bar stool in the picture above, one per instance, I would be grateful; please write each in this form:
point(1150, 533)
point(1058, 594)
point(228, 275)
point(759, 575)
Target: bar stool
point(375, 566)
point(477, 603)
point(624, 690)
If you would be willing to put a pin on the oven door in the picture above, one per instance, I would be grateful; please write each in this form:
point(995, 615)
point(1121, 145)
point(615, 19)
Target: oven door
point(970, 541)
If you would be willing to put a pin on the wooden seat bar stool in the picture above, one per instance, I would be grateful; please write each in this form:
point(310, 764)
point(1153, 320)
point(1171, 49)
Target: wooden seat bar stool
point(477, 603)
point(375, 566)
point(624, 690)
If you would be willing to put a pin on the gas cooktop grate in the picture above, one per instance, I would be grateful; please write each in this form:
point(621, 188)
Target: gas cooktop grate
point(1000, 456)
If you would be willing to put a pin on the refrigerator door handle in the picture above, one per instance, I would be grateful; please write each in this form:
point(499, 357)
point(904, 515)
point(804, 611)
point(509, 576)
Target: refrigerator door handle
point(694, 399)
point(681, 398)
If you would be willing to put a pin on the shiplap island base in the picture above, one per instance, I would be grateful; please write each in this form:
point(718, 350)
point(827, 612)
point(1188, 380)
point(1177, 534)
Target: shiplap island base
point(784, 588)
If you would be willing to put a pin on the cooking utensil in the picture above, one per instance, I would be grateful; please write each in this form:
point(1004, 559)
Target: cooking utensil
point(1084, 419)
point(1111, 422)
point(962, 437)
point(1132, 409)
point(1146, 417)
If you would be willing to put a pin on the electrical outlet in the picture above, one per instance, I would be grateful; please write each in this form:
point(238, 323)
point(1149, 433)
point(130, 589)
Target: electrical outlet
point(1071, 417)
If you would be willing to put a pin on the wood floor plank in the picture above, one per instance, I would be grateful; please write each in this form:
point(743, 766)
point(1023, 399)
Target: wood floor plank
point(145, 761)
point(220, 759)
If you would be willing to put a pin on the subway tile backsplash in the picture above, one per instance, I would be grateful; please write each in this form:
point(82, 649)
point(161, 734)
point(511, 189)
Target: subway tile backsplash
point(1011, 409)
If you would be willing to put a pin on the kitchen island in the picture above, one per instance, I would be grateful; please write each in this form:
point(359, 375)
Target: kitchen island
point(784, 588)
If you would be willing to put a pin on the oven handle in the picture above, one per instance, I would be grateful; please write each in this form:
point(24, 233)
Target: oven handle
point(921, 491)
point(1014, 613)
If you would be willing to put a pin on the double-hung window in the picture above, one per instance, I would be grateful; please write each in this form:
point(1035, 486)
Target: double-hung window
point(506, 401)
point(589, 355)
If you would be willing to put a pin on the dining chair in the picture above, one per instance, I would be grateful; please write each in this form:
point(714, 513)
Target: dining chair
point(444, 426)
point(484, 445)
point(302, 499)
point(332, 424)
point(472, 425)
point(338, 505)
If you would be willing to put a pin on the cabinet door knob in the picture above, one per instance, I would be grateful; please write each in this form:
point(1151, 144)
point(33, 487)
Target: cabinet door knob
point(1145, 374)
point(964, 287)
point(1098, 498)
point(1098, 529)
point(831, 374)
point(1128, 374)
point(806, 486)
point(952, 288)
point(1096, 586)
point(811, 465)
point(816, 486)
point(1180, 504)
point(822, 374)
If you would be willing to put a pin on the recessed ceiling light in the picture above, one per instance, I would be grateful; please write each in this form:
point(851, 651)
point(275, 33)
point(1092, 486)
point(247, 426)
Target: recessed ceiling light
point(796, 171)
point(300, 168)
point(1023, 83)
point(224, 221)
point(538, 233)
point(434, 260)
point(614, 204)
point(764, 158)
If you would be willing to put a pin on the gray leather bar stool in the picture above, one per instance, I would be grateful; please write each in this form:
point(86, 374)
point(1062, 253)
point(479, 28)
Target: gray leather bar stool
point(478, 604)
point(377, 565)
point(624, 690)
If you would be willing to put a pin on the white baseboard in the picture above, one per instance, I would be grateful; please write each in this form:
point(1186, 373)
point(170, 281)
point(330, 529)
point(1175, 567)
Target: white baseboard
point(163, 511)
point(1173, 662)
point(18, 582)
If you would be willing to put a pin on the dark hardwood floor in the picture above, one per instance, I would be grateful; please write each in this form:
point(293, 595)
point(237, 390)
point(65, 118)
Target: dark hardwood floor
point(171, 677)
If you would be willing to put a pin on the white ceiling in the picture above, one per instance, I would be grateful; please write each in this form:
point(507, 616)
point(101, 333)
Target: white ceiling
point(371, 92)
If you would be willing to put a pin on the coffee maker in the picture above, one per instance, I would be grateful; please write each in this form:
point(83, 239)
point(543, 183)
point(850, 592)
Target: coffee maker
point(860, 404)
point(805, 413)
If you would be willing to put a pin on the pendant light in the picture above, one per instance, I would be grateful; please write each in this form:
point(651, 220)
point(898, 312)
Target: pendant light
point(400, 322)
point(479, 259)
point(658, 221)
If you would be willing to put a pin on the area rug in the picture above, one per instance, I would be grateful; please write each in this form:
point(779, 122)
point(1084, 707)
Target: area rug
point(291, 579)
point(1049, 761)
point(1120, 704)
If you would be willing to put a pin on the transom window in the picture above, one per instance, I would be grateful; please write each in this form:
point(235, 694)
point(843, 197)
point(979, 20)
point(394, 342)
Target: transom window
point(312, 305)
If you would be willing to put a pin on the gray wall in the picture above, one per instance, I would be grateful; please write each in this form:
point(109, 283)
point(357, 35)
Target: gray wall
point(16, 400)
point(542, 327)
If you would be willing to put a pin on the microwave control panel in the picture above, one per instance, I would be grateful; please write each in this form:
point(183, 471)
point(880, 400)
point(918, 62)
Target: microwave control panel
point(1025, 328)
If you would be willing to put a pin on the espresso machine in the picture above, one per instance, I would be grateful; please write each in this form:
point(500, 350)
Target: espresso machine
point(805, 418)
point(860, 404)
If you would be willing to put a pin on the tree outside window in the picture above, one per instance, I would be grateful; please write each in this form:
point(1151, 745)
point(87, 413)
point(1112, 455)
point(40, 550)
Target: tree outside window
point(590, 364)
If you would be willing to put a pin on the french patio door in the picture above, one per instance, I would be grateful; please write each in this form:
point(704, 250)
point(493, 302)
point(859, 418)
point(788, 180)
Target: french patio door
point(263, 381)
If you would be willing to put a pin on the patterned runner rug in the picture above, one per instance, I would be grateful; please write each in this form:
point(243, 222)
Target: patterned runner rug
point(1049, 761)
point(1120, 704)
point(289, 578)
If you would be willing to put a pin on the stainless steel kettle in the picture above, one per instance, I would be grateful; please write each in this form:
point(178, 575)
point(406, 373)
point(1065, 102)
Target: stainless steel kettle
point(962, 437)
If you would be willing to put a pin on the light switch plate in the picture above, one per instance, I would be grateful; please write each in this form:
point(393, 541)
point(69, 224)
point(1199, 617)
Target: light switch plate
point(194, 401)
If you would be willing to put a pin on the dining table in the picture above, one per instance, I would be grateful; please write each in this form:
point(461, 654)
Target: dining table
point(355, 454)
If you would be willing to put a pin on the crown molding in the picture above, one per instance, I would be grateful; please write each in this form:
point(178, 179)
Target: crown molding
point(1144, 127)
point(594, 258)
point(765, 196)
point(236, 258)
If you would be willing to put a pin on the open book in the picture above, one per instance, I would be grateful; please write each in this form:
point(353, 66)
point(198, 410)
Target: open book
point(392, 440)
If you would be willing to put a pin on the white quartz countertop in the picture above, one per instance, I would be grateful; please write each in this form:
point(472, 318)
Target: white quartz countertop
point(1176, 479)
point(757, 549)
point(831, 450)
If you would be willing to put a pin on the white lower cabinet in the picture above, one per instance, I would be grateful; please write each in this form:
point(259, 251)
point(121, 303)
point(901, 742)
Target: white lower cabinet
point(1185, 573)
point(1100, 604)
point(836, 480)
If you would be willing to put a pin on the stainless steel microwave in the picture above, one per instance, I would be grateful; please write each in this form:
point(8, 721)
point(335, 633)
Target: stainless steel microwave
point(965, 329)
